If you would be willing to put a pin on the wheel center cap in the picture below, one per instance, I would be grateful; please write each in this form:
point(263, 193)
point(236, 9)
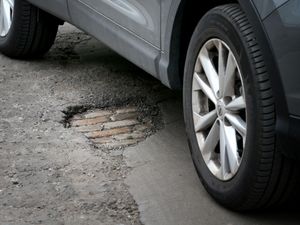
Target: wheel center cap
point(220, 109)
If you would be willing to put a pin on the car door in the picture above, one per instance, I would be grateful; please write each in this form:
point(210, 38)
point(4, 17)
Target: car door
point(139, 17)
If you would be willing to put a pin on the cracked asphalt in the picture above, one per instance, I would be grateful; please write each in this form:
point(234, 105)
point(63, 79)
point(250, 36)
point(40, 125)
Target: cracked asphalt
point(52, 175)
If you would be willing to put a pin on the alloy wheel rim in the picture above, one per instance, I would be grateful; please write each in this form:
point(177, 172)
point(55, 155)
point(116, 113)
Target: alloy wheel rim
point(219, 109)
point(6, 16)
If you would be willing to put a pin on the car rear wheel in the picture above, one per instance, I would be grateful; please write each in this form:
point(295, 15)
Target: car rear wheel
point(230, 115)
point(25, 30)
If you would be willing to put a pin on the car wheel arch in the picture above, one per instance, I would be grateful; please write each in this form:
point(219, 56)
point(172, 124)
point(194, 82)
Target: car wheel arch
point(177, 44)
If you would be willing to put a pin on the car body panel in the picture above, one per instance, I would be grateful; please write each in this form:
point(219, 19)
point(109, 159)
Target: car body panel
point(141, 17)
point(120, 39)
point(58, 8)
point(283, 28)
point(169, 9)
point(169, 75)
point(265, 8)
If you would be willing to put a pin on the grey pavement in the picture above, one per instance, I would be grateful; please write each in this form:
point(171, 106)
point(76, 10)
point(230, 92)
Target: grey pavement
point(166, 187)
point(53, 175)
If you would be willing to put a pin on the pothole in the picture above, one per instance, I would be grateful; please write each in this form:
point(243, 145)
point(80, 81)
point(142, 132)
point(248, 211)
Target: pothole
point(115, 127)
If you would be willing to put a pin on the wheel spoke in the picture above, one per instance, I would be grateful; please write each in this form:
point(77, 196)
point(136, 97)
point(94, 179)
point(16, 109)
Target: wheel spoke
point(211, 141)
point(205, 88)
point(198, 66)
point(221, 68)
point(237, 104)
point(203, 122)
point(196, 84)
point(238, 123)
point(209, 70)
point(223, 160)
point(231, 148)
point(229, 79)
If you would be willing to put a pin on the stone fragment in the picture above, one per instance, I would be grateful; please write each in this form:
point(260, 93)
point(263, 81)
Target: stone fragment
point(91, 115)
point(133, 135)
point(93, 121)
point(124, 116)
point(126, 110)
point(122, 123)
point(106, 133)
point(90, 128)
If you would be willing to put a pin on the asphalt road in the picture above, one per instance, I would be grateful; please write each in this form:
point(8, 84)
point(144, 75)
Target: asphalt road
point(50, 174)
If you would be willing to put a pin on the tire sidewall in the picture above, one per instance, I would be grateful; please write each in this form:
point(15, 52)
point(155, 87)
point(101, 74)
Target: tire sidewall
point(234, 191)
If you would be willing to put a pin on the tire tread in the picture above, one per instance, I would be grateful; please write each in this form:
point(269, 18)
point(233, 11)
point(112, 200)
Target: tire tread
point(275, 172)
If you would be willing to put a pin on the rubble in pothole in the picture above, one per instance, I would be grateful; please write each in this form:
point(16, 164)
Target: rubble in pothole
point(113, 128)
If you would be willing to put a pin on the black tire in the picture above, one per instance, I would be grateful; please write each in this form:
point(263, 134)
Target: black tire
point(265, 177)
point(32, 32)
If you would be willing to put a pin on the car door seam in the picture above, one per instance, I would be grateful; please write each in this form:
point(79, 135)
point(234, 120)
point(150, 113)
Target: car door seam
point(119, 25)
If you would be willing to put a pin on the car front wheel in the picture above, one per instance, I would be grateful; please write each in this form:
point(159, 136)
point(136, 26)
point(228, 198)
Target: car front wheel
point(230, 114)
